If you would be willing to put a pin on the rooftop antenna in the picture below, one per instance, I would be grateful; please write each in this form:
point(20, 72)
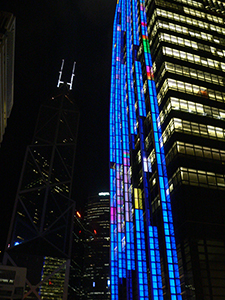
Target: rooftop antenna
point(60, 74)
point(72, 75)
point(70, 84)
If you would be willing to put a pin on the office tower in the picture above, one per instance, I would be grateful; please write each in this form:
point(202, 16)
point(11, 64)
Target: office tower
point(167, 150)
point(96, 272)
point(76, 291)
point(40, 233)
point(7, 51)
point(12, 281)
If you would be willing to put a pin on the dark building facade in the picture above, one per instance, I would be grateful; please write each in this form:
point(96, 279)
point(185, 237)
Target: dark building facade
point(7, 55)
point(96, 274)
point(167, 150)
point(40, 233)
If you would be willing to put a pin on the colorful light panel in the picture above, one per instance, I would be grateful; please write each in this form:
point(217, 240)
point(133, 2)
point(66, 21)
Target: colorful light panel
point(135, 252)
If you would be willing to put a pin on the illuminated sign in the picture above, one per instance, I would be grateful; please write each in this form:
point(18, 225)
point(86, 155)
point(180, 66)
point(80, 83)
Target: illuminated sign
point(103, 194)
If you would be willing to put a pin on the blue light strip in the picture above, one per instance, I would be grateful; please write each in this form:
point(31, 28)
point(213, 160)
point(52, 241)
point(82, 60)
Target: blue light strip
point(153, 248)
point(145, 169)
point(123, 129)
point(154, 256)
point(140, 91)
point(155, 267)
point(113, 237)
point(141, 247)
point(113, 198)
point(123, 14)
point(133, 130)
point(130, 80)
point(119, 196)
point(135, 22)
point(170, 244)
point(121, 189)
point(112, 95)
point(127, 182)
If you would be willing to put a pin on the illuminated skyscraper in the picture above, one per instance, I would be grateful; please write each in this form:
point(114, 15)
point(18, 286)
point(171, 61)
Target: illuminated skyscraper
point(167, 150)
point(96, 255)
point(40, 233)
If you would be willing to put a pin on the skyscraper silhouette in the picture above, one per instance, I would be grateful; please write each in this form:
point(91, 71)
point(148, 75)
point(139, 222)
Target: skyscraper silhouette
point(7, 53)
point(167, 175)
point(42, 222)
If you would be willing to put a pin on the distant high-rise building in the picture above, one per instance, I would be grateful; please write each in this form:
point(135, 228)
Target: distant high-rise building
point(96, 274)
point(12, 282)
point(167, 150)
point(40, 233)
point(7, 53)
point(76, 291)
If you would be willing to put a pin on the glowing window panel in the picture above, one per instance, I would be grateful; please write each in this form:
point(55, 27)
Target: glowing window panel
point(157, 135)
point(140, 90)
point(125, 124)
point(140, 245)
point(135, 22)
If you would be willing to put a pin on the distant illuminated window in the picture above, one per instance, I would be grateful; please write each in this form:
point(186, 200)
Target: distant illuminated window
point(103, 194)
point(93, 284)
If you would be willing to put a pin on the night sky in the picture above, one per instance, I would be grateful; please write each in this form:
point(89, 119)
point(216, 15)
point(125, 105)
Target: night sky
point(47, 32)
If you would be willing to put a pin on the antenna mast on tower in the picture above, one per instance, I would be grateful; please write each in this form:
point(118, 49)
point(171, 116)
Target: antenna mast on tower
point(70, 84)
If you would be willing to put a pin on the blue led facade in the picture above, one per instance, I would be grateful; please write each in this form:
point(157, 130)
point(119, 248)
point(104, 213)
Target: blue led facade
point(139, 242)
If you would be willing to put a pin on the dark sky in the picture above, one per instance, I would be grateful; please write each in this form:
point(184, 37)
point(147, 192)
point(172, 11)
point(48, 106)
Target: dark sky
point(47, 32)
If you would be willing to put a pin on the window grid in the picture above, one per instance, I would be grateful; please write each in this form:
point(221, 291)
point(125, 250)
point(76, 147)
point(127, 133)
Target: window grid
point(191, 73)
point(183, 30)
point(186, 20)
point(130, 257)
point(175, 6)
point(140, 245)
point(197, 178)
point(192, 128)
point(190, 107)
point(211, 254)
point(127, 179)
point(188, 88)
point(135, 22)
point(190, 2)
point(196, 59)
point(173, 270)
point(130, 86)
point(119, 178)
point(155, 264)
point(113, 220)
point(201, 14)
point(190, 44)
point(195, 150)
point(140, 90)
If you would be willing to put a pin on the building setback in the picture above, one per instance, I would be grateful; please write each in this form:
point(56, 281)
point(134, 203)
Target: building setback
point(167, 150)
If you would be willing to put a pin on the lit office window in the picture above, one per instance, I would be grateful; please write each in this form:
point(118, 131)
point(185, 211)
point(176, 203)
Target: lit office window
point(181, 148)
point(195, 59)
point(197, 178)
point(188, 88)
point(192, 128)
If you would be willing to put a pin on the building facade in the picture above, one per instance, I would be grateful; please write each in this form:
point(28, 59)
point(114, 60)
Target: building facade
point(96, 274)
point(167, 150)
point(12, 282)
point(40, 234)
point(7, 55)
point(76, 290)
